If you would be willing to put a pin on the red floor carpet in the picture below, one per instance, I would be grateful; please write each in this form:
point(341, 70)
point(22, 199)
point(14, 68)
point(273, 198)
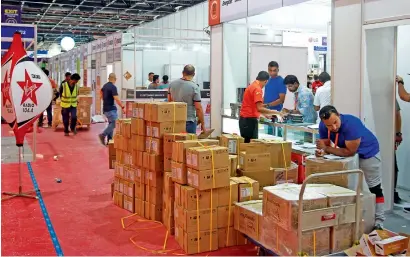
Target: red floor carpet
point(80, 207)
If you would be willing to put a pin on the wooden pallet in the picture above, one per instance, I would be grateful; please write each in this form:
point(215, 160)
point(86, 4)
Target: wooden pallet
point(80, 125)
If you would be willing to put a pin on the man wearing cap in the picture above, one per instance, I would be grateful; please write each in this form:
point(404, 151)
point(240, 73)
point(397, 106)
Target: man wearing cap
point(252, 107)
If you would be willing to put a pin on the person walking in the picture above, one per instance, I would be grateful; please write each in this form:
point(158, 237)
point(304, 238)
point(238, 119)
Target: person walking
point(109, 94)
point(69, 100)
point(187, 91)
point(50, 107)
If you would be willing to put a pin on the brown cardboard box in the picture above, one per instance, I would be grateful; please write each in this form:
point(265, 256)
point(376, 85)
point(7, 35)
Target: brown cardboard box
point(129, 189)
point(167, 164)
point(232, 142)
point(168, 221)
point(111, 161)
point(145, 160)
point(138, 143)
point(179, 236)
point(321, 165)
point(147, 210)
point(208, 157)
point(254, 161)
point(170, 138)
point(392, 245)
point(140, 175)
point(129, 173)
point(154, 145)
point(138, 110)
point(248, 189)
point(283, 242)
point(248, 218)
point(139, 207)
point(84, 91)
point(156, 162)
point(225, 216)
point(118, 199)
point(168, 203)
point(336, 195)
point(273, 176)
point(190, 195)
point(367, 248)
point(228, 195)
point(153, 195)
point(369, 211)
point(165, 111)
point(126, 129)
point(154, 179)
point(341, 237)
point(208, 179)
point(380, 235)
point(206, 238)
point(280, 204)
point(230, 237)
point(138, 126)
point(179, 148)
point(128, 203)
point(155, 212)
point(177, 194)
point(111, 148)
point(169, 188)
point(233, 159)
point(137, 158)
point(159, 129)
point(179, 172)
point(140, 191)
point(189, 220)
point(277, 149)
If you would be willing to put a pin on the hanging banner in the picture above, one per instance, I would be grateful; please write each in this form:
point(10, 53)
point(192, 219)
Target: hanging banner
point(117, 46)
point(110, 49)
point(10, 14)
point(26, 90)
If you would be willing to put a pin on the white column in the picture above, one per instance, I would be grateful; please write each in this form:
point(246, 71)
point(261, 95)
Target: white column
point(216, 78)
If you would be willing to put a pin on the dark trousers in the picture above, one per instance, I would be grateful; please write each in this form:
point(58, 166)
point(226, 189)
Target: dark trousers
point(248, 128)
point(396, 171)
point(49, 117)
point(66, 112)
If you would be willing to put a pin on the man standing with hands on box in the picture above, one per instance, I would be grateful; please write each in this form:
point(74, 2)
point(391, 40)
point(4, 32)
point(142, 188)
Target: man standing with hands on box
point(349, 137)
point(253, 107)
point(185, 90)
point(109, 94)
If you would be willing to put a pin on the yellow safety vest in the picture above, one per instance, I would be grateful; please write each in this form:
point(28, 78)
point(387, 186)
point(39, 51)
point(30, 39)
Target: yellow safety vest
point(69, 99)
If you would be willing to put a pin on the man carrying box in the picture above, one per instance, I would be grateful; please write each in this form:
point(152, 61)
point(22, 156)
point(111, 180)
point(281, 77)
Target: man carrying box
point(350, 136)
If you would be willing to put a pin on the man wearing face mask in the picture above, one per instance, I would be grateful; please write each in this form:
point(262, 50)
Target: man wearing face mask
point(349, 137)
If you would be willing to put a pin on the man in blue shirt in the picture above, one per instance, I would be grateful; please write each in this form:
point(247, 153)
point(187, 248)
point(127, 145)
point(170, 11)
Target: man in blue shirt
point(350, 136)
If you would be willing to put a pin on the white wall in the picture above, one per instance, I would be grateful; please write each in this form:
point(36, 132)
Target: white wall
point(128, 65)
point(403, 69)
point(216, 78)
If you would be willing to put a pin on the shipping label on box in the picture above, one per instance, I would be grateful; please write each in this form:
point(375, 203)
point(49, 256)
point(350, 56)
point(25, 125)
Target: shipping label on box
point(232, 142)
point(248, 218)
point(208, 179)
point(254, 161)
point(228, 195)
point(165, 111)
point(179, 172)
point(153, 179)
point(208, 241)
point(129, 203)
point(179, 148)
point(208, 157)
point(154, 145)
point(248, 189)
point(191, 198)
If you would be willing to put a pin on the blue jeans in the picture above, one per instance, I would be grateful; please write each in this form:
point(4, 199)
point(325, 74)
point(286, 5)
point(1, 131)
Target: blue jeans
point(191, 127)
point(112, 116)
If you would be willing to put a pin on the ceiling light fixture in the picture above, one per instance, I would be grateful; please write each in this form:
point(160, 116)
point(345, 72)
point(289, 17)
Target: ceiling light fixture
point(67, 43)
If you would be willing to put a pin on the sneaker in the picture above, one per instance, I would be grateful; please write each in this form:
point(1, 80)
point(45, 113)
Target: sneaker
point(378, 226)
point(398, 202)
point(406, 210)
point(66, 134)
point(75, 131)
point(102, 139)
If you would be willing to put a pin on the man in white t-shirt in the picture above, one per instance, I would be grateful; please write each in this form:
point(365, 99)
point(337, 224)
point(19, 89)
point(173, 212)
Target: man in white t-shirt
point(149, 80)
point(323, 95)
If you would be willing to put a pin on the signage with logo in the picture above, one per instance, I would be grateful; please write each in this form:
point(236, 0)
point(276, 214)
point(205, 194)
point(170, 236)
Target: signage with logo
point(324, 41)
point(151, 94)
point(214, 12)
point(10, 14)
point(320, 48)
point(27, 32)
point(117, 46)
point(226, 10)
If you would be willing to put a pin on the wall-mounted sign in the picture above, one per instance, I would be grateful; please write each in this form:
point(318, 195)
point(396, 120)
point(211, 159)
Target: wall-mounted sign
point(226, 10)
point(320, 48)
point(324, 41)
point(93, 64)
point(10, 14)
point(127, 75)
point(214, 12)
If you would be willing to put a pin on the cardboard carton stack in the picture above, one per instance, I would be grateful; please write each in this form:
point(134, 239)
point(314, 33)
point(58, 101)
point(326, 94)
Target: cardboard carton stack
point(232, 142)
point(111, 154)
point(268, 162)
point(84, 109)
point(57, 116)
point(124, 171)
point(382, 243)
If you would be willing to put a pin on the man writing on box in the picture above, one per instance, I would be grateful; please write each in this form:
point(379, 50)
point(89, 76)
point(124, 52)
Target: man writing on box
point(350, 136)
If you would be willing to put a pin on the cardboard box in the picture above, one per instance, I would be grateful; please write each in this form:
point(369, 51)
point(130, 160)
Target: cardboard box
point(179, 172)
point(285, 243)
point(167, 164)
point(140, 175)
point(232, 142)
point(126, 129)
point(336, 195)
point(156, 163)
point(154, 145)
point(179, 148)
point(248, 218)
point(137, 158)
point(170, 138)
point(153, 195)
point(248, 189)
point(254, 161)
point(138, 110)
point(341, 237)
point(207, 158)
point(280, 203)
point(179, 236)
point(233, 160)
point(273, 176)
point(153, 179)
point(189, 220)
point(128, 203)
point(380, 235)
point(147, 210)
point(230, 237)
point(111, 161)
point(369, 211)
point(392, 245)
point(225, 216)
point(228, 195)
point(168, 203)
point(140, 191)
point(367, 248)
point(111, 149)
point(208, 241)
point(208, 179)
point(169, 189)
point(177, 193)
point(129, 189)
point(168, 221)
point(155, 212)
point(84, 91)
point(191, 198)
point(280, 151)
point(118, 199)
point(159, 129)
point(321, 165)
point(165, 111)
point(138, 126)
point(139, 207)
point(138, 143)
point(145, 160)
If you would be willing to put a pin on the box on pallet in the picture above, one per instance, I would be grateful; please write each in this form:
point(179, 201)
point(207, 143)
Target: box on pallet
point(179, 148)
point(207, 157)
point(248, 189)
point(165, 111)
point(170, 138)
point(254, 161)
point(208, 179)
point(321, 165)
point(248, 218)
point(232, 142)
point(280, 151)
point(153, 179)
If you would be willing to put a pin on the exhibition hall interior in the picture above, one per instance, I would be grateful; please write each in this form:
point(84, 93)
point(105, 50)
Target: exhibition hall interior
point(205, 127)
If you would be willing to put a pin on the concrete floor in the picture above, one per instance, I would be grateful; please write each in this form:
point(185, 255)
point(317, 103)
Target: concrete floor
point(398, 220)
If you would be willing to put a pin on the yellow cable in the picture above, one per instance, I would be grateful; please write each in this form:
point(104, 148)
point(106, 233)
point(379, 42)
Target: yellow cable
point(314, 242)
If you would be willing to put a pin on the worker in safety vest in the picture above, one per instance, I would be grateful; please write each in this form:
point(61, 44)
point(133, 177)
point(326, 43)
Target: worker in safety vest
point(69, 100)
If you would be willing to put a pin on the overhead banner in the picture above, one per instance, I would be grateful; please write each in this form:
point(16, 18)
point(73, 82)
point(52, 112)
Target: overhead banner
point(226, 10)
point(10, 14)
point(256, 7)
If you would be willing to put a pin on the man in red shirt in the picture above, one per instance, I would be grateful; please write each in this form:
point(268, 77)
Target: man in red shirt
point(252, 108)
point(316, 84)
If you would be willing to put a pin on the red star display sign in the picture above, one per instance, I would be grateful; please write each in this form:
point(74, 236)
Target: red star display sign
point(5, 89)
point(29, 87)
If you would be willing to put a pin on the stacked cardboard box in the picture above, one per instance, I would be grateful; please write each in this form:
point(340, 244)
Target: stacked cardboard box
point(84, 109)
point(268, 162)
point(124, 171)
point(57, 117)
point(111, 154)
